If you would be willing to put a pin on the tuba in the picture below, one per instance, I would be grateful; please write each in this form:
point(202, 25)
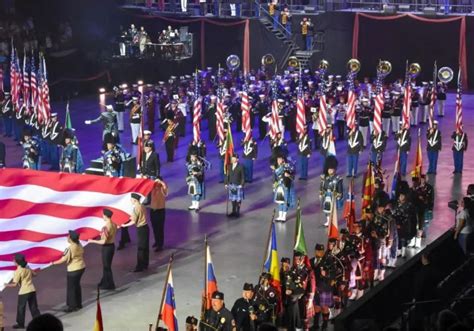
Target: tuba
point(233, 62)
point(353, 65)
point(293, 62)
point(268, 60)
point(445, 74)
point(384, 67)
point(414, 69)
point(323, 64)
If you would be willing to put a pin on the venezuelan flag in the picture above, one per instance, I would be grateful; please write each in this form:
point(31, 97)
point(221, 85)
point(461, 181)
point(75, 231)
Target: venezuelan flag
point(168, 311)
point(271, 262)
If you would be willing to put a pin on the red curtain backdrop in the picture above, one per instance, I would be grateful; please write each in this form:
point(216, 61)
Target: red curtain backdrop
point(462, 34)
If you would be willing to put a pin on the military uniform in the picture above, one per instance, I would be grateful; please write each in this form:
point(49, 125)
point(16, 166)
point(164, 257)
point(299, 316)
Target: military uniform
point(304, 153)
point(355, 145)
point(250, 153)
point(71, 157)
point(108, 249)
point(221, 320)
point(265, 300)
point(195, 181)
point(459, 147)
point(244, 312)
point(433, 147)
point(31, 152)
point(403, 140)
point(379, 143)
point(138, 217)
point(330, 187)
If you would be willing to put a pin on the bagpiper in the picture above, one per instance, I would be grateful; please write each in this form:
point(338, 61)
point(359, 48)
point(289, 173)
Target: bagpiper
point(112, 158)
point(283, 187)
point(234, 183)
point(195, 180)
point(433, 136)
point(71, 157)
point(266, 300)
point(459, 147)
point(330, 187)
point(31, 151)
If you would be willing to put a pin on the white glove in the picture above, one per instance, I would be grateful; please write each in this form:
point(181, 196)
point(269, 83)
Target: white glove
point(87, 122)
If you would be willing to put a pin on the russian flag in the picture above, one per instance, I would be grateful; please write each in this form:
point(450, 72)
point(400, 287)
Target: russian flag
point(271, 262)
point(211, 281)
point(168, 311)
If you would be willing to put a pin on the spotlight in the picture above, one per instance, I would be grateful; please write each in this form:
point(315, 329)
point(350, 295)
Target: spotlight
point(102, 90)
point(140, 82)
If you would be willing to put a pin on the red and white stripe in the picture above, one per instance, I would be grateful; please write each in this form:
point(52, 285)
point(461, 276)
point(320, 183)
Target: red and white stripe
point(406, 107)
point(351, 113)
point(39, 208)
point(34, 89)
point(379, 104)
point(197, 120)
point(245, 108)
point(300, 116)
point(459, 103)
point(275, 120)
point(323, 114)
point(26, 85)
point(220, 119)
point(432, 105)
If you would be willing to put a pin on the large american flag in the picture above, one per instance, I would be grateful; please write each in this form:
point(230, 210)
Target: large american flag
point(300, 109)
point(406, 100)
point(459, 101)
point(378, 104)
point(245, 108)
point(275, 115)
point(196, 111)
point(351, 101)
point(39, 208)
point(433, 97)
point(26, 83)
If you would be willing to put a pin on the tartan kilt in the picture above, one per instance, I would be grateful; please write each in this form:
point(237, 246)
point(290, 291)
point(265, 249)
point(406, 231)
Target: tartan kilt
point(236, 192)
point(326, 298)
point(428, 216)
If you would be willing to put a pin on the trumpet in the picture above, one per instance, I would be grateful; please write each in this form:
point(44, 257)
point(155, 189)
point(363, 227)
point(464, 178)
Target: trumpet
point(323, 64)
point(353, 65)
point(384, 67)
point(293, 62)
point(268, 60)
point(445, 74)
point(414, 69)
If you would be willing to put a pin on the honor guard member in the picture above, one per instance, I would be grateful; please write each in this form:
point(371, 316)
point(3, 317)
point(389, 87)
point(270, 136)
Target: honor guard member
point(218, 318)
point(74, 257)
point(441, 98)
point(386, 113)
point(244, 311)
point(195, 180)
point(293, 292)
point(107, 239)
point(211, 117)
point(23, 277)
point(355, 145)
point(112, 159)
point(304, 153)
point(109, 122)
point(31, 151)
point(364, 118)
point(433, 136)
point(7, 114)
point(403, 140)
point(71, 157)
point(265, 300)
point(283, 187)
point(262, 108)
point(119, 107)
point(459, 147)
point(170, 139)
point(379, 143)
point(138, 218)
point(250, 153)
point(234, 183)
point(150, 167)
point(135, 119)
point(51, 134)
point(330, 186)
point(327, 142)
point(397, 106)
point(415, 106)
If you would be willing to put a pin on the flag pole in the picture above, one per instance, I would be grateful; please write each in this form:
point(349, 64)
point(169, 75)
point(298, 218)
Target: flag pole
point(268, 241)
point(204, 297)
point(158, 319)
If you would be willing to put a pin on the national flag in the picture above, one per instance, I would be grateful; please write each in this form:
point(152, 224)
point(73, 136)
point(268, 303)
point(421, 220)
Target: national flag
point(210, 281)
point(140, 146)
point(39, 207)
point(98, 325)
point(271, 258)
point(433, 96)
point(26, 83)
point(406, 100)
point(245, 108)
point(351, 101)
point(333, 228)
point(396, 177)
point(300, 109)
point(323, 114)
point(418, 163)
point(45, 91)
point(369, 187)
point(229, 150)
point(68, 122)
point(275, 127)
point(197, 111)
point(459, 102)
point(13, 76)
point(33, 85)
point(349, 207)
point(378, 104)
point(300, 242)
point(168, 310)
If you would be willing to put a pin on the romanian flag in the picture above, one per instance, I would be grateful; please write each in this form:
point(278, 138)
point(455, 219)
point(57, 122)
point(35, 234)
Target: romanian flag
point(229, 149)
point(98, 325)
point(333, 228)
point(271, 259)
point(210, 281)
point(418, 164)
point(168, 311)
point(369, 188)
point(349, 207)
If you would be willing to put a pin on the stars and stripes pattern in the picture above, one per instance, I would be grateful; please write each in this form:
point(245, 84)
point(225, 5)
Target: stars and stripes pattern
point(433, 97)
point(44, 96)
point(323, 107)
point(351, 102)
point(33, 85)
point(459, 102)
point(26, 83)
point(300, 109)
point(275, 115)
point(197, 111)
point(378, 104)
point(406, 100)
point(15, 79)
point(39, 208)
point(220, 114)
point(245, 108)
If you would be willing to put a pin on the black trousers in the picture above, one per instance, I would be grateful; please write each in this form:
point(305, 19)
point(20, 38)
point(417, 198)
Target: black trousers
point(143, 252)
point(157, 218)
point(23, 299)
point(341, 128)
point(170, 148)
point(124, 236)
point(74, 293)
point(107, 281)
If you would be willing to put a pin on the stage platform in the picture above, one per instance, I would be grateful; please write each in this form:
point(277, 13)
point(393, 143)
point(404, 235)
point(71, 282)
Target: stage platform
point(237, 245)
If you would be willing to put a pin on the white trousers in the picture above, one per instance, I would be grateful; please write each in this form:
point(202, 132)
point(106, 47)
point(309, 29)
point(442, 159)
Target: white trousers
point(233, 11)
point(135, 130)
point(440, 104)
point(120, 120)
point(184, 6)
point(122, 49)
point(414, 115)
point(395, 124)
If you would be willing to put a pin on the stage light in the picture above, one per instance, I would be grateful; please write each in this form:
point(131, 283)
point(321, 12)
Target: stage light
point(124, 86)
point(102, 90)
point(140, 82)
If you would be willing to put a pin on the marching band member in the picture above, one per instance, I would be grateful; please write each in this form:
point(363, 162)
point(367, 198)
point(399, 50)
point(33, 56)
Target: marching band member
point(415, 101)
point(379, 143)
point(341, 109)
point(304, 153)
point(250, 153)
point(112, 158)
point(170, 138)
point(306, 33)
point(459, 147)
point(405, 219)
point(355, 145)
point(31, 151)
point(327, 142)
point(386, 113)
point(71, 157)
point(433, 136)
point(364, 118)
point(424, 101)
point(195, 180)
point(330, 186)
point(441, 98)
point(234, 183)
point(283, 187)
point(135, 119)
point(397, 106)
point(403, 140)
point(119, 98)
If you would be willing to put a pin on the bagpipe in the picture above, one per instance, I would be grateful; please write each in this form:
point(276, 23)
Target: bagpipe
point(66, 165)
point(194, 178)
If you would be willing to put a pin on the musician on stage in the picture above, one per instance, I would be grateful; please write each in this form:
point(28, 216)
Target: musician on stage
point(405, 218)
point(286, 21)
point(397, 106)
point(109, 121)
point(459, 147)
point(71, 157)
point(112, 158)
point(119, 98)
point(142, 40)
point(379, 143)
point(150, 111)
point(262, 109)
point(283, 187)
point(387, 114)
point(415, 106)
point(278, 147)
point(211, 117)
point(403, 140)
point(170, 138)
point(199, 148)
point(433, 147)
point(135, 119)
point(234, 183)
point(31, 151)
point(441, 97)
point(306, 33)
point(195, 179)
point(355, 146)
point(304, 153)
point(150, 167)
point(330, 187)
point(134, 39)
point(250, 153)
point(364, 117)
point(425, 99)
point(327, 142)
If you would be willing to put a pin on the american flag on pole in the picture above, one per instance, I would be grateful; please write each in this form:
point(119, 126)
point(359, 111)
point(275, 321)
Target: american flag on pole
point(323, 113)
point(406, 100)
point(33, 85)
point(39, 208)
point(220, 109)
point(26, 83)
point(379, 104)
point(300, 109)
point(196, 111)
point(275, 115)
point(433, 97)
point(459, 101)
point(45, 91)
point(351, 101)
point(245, 108)
point(13, 77)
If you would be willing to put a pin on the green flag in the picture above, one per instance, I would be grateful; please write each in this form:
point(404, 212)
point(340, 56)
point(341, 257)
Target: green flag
point(300, 242)
point(68, 123)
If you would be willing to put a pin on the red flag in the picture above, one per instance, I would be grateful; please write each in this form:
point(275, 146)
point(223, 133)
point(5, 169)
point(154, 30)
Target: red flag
point(98, 325)
point(245, 108)
point(197, 120)
point(323, 113)
point(459, 102)
point(349, 207)
point(220, 119)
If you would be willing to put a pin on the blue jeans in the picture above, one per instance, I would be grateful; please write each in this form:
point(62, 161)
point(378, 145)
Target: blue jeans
point(403, 163)
point(458, 161)
point(303, 166)
point(352, 163)
point(8, 121)
point(248, 169)
point(433, 161)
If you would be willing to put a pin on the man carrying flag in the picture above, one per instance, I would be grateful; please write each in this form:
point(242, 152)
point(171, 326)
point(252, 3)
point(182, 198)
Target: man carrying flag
point(217, 317)
point(459, 137)
point(433, 136)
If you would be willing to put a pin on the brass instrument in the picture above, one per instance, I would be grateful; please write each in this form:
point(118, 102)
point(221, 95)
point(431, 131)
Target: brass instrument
point(353, 65)
point(293, 62)
point(414, 69)
point(384, 67)
point(323, 64)
point(445, 74)
point(268, 60)
point(170, 130)
point(233, 62)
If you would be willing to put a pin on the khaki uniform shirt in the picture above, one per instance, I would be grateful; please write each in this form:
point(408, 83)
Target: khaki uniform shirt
point(24, 278)
point(74, 257)
point(108, 232)
point(139, 215)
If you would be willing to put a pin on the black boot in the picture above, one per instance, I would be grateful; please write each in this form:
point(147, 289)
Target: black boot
point(316, 318)
point(237, 209)
point(232, 214)
point(325, 321)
